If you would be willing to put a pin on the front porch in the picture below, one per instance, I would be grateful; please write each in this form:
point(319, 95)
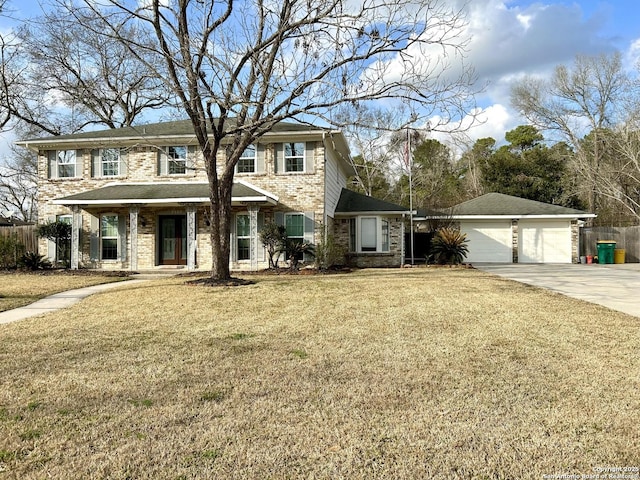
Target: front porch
point(133, 229)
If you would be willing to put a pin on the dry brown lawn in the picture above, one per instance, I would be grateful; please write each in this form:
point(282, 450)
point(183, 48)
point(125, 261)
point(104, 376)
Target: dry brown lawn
point(20, 289)
point(422, 373)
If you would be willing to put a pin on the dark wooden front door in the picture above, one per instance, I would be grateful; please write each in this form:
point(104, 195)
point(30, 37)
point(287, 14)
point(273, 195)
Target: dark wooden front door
point(173, 240)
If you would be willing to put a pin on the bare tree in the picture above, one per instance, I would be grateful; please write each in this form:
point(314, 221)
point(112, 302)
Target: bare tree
point(577, 101)
point(238, 68)
point(621, 184)
point(18, 185)
point(370, 131)
point(19, 179)
point(59, 77)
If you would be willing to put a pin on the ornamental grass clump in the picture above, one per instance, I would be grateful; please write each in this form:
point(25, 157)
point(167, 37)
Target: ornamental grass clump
point(449, 246)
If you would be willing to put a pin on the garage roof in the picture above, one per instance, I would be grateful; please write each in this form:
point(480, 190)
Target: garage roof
point(499, 205)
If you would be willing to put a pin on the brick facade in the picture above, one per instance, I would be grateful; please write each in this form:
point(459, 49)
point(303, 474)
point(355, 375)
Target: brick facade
point(307, 193)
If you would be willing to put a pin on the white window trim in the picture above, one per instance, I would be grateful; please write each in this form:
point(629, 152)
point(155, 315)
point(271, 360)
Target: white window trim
point(238, 237)
point(291, 214)
point(101, 237)
point(380, 238)
point(167, 161)
point(285, 157)
point(59, 164)
point(254, 158)
point(104, 162)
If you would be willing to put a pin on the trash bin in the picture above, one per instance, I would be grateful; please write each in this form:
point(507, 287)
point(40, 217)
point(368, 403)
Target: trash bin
point(618, 255)
point(606, 250)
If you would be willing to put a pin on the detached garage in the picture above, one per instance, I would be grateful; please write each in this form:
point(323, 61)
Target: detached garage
point(505, 229)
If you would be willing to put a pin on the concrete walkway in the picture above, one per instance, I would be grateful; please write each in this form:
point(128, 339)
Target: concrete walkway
point(614, 286)
point(60, 300)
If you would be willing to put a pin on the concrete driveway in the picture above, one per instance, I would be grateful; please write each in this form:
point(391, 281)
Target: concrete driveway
point(614, 286)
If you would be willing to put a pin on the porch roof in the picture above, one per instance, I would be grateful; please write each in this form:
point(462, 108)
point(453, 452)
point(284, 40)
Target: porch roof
point(174, 193)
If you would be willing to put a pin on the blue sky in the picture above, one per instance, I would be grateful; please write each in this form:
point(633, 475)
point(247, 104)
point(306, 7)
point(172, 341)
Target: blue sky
point(511, 38)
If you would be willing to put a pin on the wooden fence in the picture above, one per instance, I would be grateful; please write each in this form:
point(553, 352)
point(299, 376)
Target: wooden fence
point(627, 238)
point(25, 234)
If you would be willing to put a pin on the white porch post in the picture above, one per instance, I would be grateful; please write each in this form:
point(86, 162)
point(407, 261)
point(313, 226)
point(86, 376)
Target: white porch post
point(133, 227)
point(76, 223)
point(253, 232)
point(191, 237)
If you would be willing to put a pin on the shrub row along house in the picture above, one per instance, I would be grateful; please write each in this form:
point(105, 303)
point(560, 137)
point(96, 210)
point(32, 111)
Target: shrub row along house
point(137, 198)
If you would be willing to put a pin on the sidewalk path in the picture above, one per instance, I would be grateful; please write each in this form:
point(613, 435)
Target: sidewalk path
point(59, 300)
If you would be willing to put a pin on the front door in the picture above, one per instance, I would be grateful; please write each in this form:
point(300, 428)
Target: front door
point(173, 240)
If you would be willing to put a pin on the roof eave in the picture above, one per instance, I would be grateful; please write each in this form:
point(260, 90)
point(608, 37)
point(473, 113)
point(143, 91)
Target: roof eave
point(373, 212)
point(509, 217)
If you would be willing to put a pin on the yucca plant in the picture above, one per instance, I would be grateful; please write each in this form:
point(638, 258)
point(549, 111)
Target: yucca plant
point(449, 246)
point(34, 261)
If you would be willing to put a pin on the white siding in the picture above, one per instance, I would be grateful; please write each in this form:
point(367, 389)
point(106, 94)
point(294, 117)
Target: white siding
point(335, 180)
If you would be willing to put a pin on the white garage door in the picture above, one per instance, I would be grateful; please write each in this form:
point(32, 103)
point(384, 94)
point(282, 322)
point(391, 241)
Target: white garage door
point(489, 241)
point(544, 241)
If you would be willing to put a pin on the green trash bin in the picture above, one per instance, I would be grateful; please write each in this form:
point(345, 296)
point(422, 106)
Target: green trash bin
point(606, 249)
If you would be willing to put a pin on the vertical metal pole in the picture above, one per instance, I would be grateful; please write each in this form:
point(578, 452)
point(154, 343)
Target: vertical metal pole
point(410, 165)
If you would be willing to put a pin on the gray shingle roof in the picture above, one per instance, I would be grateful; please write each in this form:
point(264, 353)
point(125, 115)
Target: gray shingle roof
point(153, 130)
point(353, 202)
point(501, 204)
point(158, 192)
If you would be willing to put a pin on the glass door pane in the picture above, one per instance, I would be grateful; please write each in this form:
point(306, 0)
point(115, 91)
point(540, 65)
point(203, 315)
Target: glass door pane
point(168, 239)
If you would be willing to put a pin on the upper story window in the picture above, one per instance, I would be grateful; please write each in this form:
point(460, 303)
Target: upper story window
point(294, 157)
point(247, 161)
point(62, 163)
point(108, 162)
point(174, 160)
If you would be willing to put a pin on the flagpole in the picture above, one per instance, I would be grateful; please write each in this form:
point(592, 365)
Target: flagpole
point(410, 165)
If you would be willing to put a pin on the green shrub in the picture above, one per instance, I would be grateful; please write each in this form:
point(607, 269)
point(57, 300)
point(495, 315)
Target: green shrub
point(449, 246)
point(296, 250)
point(328, 253)
point(33, 261)
point(59, 233)
point(10, 251)
point(273, 238)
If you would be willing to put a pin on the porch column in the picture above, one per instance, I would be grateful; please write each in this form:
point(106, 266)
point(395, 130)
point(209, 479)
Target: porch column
point(76, 224)
point(133, 227)
point(191, 237)
point(253, 232)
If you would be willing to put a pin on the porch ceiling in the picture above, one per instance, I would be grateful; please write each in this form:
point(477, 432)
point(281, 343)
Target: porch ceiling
point(163, 194)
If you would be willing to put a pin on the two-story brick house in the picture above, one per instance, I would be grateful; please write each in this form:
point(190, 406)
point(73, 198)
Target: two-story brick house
point(136, 197)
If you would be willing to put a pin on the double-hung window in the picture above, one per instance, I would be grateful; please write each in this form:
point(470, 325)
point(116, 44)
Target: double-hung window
point(294, 224)
point(110, 162)
point(109, 237)
point(176, 160)
point(294, 157)
point(247, 161)
point(243, 237)
point(62, 163)
point(173, 160)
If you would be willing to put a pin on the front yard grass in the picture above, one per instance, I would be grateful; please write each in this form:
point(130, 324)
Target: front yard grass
point(20, 289)
point(422, 373)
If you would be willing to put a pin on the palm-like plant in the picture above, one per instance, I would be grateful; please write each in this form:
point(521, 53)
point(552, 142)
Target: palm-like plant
point(449, 246)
